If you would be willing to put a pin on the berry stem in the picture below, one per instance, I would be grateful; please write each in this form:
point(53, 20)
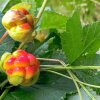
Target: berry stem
point(21, 45)
point(3, 83)
point(4, 93)
point(41, 11)
point(73, 77)
point(69, 72)
point(5, 5)
point(3, 37)
point(60, 74)
point(85, 89)
point(76, 84)
point(60, 67)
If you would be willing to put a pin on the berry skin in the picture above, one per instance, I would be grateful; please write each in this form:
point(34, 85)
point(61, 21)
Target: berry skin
point(9, 63)
point(29, 72)
point(21, 68)
point(32, 59)
point(21, 61)
point(18, 53)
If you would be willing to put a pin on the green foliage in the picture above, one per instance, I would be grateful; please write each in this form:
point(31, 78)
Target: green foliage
point(91, 40)
point(38, 3)
point(55, 21)
point(72, 39)
point(77, 41)
point(67, 40)
point(49, 86)
point(89, 76)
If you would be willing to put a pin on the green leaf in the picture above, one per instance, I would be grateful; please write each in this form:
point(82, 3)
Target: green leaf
point(49, 87)
point(47, 48)
point(89, 76)
point(53, 20)
point(38, 3)
point(91, 37)
point(43, 50)
point(72, 39)
point(8, 4)
point(84, 95)
point(35, 93)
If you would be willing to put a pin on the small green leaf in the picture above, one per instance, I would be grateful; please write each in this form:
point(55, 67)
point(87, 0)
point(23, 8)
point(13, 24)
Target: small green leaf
point(53, 20)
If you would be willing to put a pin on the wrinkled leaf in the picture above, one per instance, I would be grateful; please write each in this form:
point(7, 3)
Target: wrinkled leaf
point(89, 76)
point(72, 38)
point(49, 87)
point(91, 38)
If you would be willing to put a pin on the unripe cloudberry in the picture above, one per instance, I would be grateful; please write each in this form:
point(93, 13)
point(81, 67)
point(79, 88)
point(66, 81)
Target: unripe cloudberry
point(19, 24)
point(21, 67)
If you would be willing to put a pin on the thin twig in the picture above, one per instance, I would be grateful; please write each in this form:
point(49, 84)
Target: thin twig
point(69, 72)
point(60, 67)
point(41, 11)
point(60, 74)
point(85, 89)
point(3, 83)
point(4, 93)
point(3, 37)
point(57, 60)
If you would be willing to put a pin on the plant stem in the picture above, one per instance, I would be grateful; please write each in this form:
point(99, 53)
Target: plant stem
point(4, 93)
point(60, 74)
point(85, 89)
point(6, 3)
point(3, 37)
point(69, 72)
point(75, 82)
point(41, 10)
point(21, 45)
point(57, 60)
point(59, 67)
point(88, 93)
point(3, 83)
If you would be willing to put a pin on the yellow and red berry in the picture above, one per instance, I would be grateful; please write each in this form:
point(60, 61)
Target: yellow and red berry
point(21, 68)
point(19, 24)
